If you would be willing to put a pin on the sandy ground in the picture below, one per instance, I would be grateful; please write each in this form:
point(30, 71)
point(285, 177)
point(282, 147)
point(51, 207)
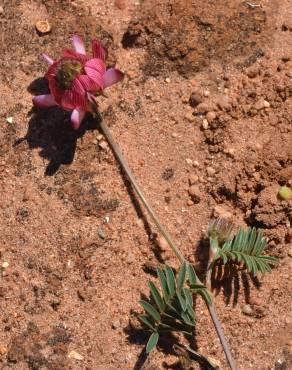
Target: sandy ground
point(205, 103)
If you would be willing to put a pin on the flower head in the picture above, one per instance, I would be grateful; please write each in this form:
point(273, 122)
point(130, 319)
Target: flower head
point(220, 229)
point(76, 77)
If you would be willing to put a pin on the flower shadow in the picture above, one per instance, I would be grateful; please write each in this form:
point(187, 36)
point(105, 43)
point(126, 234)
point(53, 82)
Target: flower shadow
point(50, 130)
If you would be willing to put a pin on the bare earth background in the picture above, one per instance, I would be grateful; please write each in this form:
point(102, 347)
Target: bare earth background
point(75, 252)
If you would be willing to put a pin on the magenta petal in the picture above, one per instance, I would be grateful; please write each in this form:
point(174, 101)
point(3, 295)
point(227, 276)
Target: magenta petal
point(112, 76)
point(71, 100)
point(48, 59)
point(97, 64)
point(88, 83)
point(95, 76)
point(78, 87)
point(78, 44)
point(77, 117)
point(98, 50)
point(44, 101)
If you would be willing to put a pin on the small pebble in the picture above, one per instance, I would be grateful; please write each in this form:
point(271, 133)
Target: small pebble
point(101, 233)
point(9, 120)
point(196, 164)
point(167, 80)
point(162, 243)
point(140, 223)
point(193, 179)
point(1, 10)
point(174, 135)
point(103, 145)
point(211, 116)
point(120, 4)
point(116, 324)
point(223, 102)
point(253, 71)
point(130, 258)
point(247, 310)
point(43, 26)
point(221, 212)
point(261, 104)
point(254, 301)
point(206, 93)
point(189, 161)
point(195, 193)
point(5, 265)
point(75, 355)
point(185, 99)
point(190, 117)
point(195, 99)
point(210, 171)
point(3, 349)
point(205, 124)
point(215, 363)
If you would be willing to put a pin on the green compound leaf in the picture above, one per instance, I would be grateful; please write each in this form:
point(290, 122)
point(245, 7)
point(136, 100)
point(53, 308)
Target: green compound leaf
point(156, 296)
point(163, 283)
point(147, 322)
point(171, 305)
point(170, 280)
point(192, 274)
point(151, 311)
point(152, 342)
point(246, 247)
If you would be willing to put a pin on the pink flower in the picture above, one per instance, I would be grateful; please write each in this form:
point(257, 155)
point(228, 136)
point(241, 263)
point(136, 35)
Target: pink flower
point(75, 78)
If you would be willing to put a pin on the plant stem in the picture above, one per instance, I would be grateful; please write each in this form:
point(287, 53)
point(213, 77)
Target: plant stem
point(118, 154)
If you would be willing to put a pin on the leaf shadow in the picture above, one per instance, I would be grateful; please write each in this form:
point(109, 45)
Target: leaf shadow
point(231, 281)
point(227, 279)
point(50, 130)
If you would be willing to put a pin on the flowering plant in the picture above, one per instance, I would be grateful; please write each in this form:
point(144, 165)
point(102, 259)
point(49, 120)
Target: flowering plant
point(76, 78)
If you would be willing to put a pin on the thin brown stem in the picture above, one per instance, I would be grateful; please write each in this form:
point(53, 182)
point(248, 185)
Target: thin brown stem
point(119, 156)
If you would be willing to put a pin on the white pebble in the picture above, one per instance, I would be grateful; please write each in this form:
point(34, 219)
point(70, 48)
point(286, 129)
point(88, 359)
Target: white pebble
point(206, 93)
point(5, 265)
point(75, 355)
point(9, 120)
point(205, 124)
point(167, 80)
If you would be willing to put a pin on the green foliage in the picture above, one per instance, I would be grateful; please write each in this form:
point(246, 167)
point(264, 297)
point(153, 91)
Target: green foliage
point(246, 247)
point(171, 307)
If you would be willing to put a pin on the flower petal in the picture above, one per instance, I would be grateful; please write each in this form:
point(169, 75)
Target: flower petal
point(78, 87)
point(48, 58)
point(77, 117)
point(72, 54)
point(112, 76)
point(78, 44)
point(97, 64)
point(98, 50)
point(44, 101)
point(88, 83)
point(71, 100)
